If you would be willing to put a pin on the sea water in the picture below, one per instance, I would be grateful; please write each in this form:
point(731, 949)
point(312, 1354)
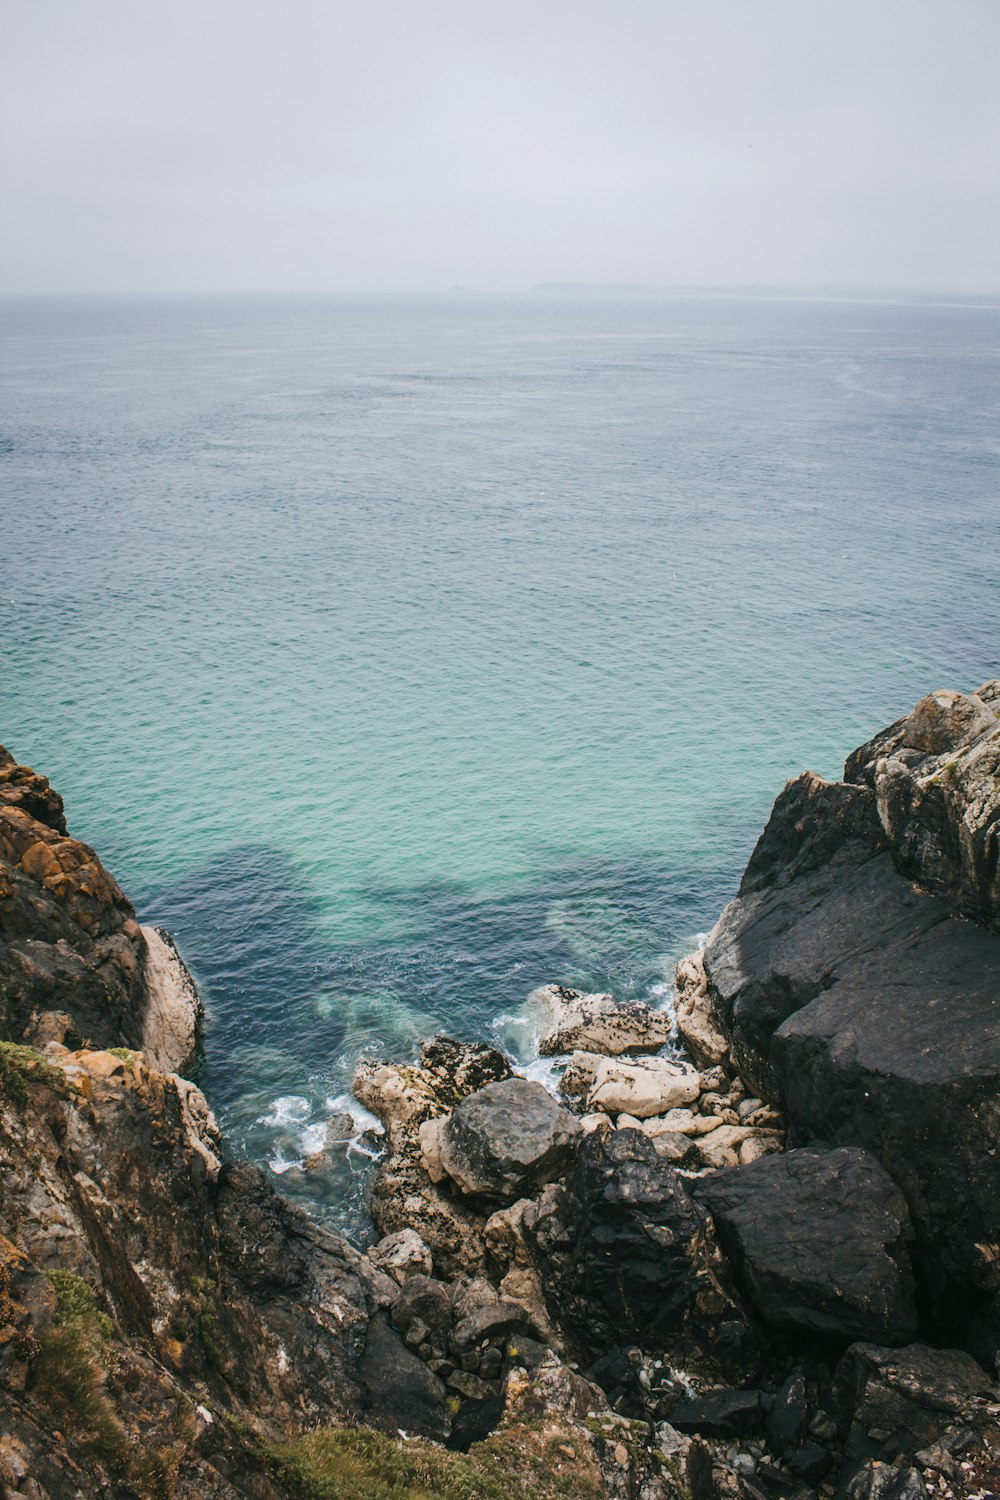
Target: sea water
point(401, 655)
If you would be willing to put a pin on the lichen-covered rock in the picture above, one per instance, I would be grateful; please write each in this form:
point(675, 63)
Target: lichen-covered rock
point(648, 1086)
point(819, 1242)
point(706, 1043)
point(402, 1255)
point(571, 1021)
point(506, 1139)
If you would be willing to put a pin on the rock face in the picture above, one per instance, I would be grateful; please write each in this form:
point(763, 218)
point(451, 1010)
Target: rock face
point(819, 1242)
point(505, 1140)
point(869, 1006)
point(75, 965)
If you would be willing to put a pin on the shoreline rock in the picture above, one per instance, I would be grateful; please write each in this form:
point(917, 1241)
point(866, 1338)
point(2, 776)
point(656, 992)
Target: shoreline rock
point(583, 1274)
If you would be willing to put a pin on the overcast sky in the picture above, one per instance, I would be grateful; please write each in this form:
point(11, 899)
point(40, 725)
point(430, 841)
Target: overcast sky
point(411, 144)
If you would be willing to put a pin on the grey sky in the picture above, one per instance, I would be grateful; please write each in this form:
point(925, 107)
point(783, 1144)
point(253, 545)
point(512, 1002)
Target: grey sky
point(316, 144)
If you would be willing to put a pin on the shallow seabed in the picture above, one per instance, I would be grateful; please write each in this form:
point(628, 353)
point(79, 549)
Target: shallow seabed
point(401, 655)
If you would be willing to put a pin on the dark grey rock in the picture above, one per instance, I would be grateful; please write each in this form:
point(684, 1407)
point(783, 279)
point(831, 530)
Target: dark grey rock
point(870, 1011)
point(818, 1239)
point(625, 1253)
point(493, 1323)
point(810, 1462)
point(402, 1391)
point(507, 1139)
point(880, 1481)
point(910, 1396)
point(789, 1415)
point(722, 1413)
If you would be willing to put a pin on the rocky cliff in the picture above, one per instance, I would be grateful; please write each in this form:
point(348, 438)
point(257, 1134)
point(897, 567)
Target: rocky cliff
point(761, 1263)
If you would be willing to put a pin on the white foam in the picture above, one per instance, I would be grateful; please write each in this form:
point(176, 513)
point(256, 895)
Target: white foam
point(544, 1070)
point(363, 1118)
point(290, 1109)
point(313, 1138)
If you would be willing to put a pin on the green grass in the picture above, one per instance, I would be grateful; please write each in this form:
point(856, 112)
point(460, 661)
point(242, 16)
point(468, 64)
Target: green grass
point(20, 1066)
point(356, 1463)
point(77, 1303)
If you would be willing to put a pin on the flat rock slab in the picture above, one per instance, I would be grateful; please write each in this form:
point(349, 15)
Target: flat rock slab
point(643, 1088)
point(572, 1021)
point(819, 1240)
point(507, 1139)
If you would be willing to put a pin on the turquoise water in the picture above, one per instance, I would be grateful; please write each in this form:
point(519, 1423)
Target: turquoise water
point(402, 655)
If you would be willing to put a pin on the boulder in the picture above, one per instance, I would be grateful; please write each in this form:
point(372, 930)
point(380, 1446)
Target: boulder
point(645, 1087)
point(507, 1139)
point(402, 1255)
point(819, 1241)
point(911, 1396)
point(571, 1021)
point(720, 1413)
point(706, 1043)
point(626, 1254)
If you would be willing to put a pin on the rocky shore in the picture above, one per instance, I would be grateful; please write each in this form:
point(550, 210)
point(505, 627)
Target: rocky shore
point(753, 1255)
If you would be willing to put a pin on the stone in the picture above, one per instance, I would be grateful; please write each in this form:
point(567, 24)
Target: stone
point(492, 1323)
point(819, 1242)
point(720, 1413)
point(402, 1255)
point(788, 1419)
point(174, 1019)
point(809, 1462)
point(423, 1298)
point(643, 1088)
point(403, 1392)
point(507, 1138)
point(706, 1043)
point(761, 1143)
point(681, 1121)
point(338, 1128)
point(911, 1395)
point(879, 1481)
point(469, 1294)
point(678, 1149)
point(578, 1076)
point(625, 1253)
point(571, 1021)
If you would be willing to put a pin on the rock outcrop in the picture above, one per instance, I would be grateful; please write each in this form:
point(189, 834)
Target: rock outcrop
point(857, 978)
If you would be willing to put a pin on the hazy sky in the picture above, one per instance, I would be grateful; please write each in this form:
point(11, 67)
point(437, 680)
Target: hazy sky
point(320, 144)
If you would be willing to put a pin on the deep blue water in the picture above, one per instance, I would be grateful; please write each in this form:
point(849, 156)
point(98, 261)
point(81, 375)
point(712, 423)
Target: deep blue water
point(402, 655)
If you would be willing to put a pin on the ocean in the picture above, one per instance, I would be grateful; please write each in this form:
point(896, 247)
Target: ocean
point(401, 654)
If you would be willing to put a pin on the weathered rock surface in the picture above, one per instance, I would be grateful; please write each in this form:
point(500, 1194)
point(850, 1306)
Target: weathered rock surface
point(869, 1006)
point(574, 1022)
point(912, 1396)
point(648, 1086)
point(625, 1253)
point(707, 1044)
point(819, 1240)
point(505, 1140)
